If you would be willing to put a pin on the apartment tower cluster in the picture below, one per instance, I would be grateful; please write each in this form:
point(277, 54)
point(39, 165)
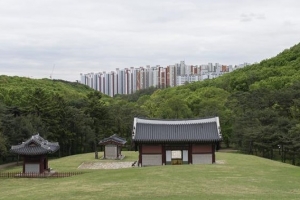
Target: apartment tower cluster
point(130, 80)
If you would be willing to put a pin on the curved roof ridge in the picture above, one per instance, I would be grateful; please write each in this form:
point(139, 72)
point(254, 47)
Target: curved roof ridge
point(181, 121)
point(115, 138)
point(197, 130)
point(42, 146)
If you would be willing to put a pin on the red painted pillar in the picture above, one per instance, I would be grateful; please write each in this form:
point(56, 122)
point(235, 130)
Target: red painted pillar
point(24, 160)
point(41, 164)
point(46, 163)
point(190, 157)
point(213, 153)
point(163, 149)
point(140, 154)
point(119, 151)
point(104, 156)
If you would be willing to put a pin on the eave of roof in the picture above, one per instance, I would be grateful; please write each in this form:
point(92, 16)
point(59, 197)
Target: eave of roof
point(199, 130)
point(179, 121)
point(114, 138)
point(41, 146)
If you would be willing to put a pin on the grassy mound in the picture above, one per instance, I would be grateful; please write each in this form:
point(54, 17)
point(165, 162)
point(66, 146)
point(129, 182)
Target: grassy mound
point(235, 176)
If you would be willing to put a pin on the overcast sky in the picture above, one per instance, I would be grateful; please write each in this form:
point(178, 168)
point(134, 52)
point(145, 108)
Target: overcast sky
point(68, 37)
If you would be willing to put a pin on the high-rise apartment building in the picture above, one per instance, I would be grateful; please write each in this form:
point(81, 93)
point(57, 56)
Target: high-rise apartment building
point(130, 80)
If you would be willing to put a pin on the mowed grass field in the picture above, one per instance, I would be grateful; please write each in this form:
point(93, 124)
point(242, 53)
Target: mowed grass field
point(237, 176)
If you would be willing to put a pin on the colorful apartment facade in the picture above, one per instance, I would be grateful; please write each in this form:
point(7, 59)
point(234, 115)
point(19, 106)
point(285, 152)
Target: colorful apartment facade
point(130, 80)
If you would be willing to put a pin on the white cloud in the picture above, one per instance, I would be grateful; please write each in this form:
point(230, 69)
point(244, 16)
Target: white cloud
point(92, 36)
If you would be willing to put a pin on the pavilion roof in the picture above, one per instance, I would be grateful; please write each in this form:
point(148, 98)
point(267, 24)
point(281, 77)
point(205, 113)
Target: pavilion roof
point(36, 145)
point(196, 130)
point(114, 138)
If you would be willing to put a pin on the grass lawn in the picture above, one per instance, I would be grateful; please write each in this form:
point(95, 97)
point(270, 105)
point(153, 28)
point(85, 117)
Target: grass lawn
point(239, 177)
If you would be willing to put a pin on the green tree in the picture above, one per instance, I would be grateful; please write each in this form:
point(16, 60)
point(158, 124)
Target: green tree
point(174, 108)
point(101, 120)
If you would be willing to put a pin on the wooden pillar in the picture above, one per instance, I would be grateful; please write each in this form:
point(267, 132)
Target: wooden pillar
point(140, 154)
point(190, 155)
point(46, 163)
point(104, 156)
point(163, 149)
point(24, 161)
point(117, 156)
point(213, 153)
point(41, 164)
point(119, 151)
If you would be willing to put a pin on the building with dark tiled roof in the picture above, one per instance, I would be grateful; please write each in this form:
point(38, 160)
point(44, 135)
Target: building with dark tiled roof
point(34, 152)
point(165, 142)
point(113, 147)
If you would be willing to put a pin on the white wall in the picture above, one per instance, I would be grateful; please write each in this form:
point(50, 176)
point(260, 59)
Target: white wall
point(32, 168)
point(202, 158)
point(111, 151)
point(152, 159)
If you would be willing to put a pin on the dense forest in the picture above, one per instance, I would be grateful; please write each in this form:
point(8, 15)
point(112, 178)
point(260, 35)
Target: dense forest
point(258, 106)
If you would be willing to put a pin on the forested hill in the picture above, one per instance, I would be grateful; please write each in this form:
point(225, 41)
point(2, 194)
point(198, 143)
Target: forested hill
point(13, 88)
point(58, 110)
point(275, 73)
point(258, 106)
point(70, 113)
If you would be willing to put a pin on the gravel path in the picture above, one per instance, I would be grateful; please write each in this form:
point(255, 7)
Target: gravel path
point(105, 165)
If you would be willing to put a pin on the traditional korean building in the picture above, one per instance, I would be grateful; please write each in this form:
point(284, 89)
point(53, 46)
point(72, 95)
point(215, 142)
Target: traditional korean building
point(34, 152)
point(170, 142)
point(113, 147)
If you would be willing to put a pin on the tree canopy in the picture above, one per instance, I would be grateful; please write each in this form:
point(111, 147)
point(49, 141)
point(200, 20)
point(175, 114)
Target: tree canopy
point(258, 106)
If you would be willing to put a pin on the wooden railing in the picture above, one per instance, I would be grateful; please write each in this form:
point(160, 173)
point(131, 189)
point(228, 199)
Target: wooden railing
point(38, 175)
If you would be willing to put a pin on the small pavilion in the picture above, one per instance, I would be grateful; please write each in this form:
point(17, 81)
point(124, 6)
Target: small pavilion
point(34, 152)
point(112, 147)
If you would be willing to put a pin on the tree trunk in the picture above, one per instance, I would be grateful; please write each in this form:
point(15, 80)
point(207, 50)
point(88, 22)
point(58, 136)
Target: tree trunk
point(284, 154)
point(70, 147)
point(250, 148)
point(294, 158)
point(227, 143)
point(96, 149)
point(272, 153)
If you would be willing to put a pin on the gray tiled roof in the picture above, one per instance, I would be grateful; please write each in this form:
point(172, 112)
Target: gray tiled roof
point(36, 145)
point(200, 130)
point(113, 138)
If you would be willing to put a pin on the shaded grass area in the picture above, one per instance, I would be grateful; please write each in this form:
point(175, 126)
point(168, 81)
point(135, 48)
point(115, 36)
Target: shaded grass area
point(239, 177)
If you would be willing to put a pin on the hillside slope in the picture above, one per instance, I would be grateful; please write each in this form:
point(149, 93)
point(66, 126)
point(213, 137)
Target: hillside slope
point(12, 87)
point(258, 106)
point(235, 176)
point(274, 73)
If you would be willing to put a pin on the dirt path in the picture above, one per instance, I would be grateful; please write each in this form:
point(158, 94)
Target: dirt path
point(228, 150)
point(8, 165)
